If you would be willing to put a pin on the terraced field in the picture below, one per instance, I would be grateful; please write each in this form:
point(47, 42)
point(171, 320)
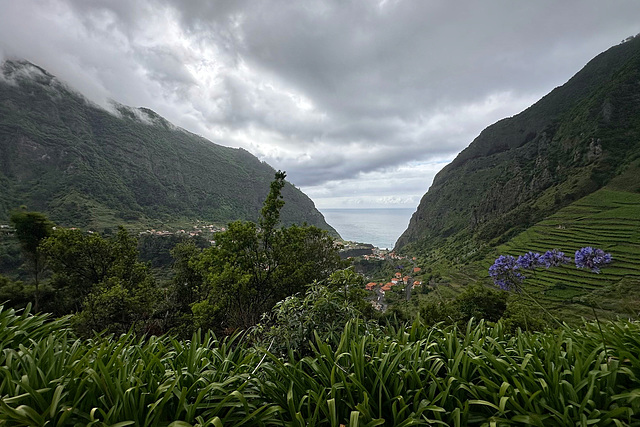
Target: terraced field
point(607, 219)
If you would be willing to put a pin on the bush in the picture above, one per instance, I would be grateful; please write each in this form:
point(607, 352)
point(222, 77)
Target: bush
point(297, 321)
point(475, 302)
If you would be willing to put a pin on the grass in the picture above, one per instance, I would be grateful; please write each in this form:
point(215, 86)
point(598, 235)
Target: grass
point(414, 375)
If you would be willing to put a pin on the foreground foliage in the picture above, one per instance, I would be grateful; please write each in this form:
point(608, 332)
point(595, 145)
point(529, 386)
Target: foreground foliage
point(253, 266)
point(223, 287)
point(403, 376)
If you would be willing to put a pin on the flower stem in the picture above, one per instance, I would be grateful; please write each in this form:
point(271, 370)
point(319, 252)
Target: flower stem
point(530, 297)
point(604, 342)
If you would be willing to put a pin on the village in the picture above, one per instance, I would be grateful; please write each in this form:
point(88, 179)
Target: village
point(198, 230)
point(369, 253)
point(397, 279)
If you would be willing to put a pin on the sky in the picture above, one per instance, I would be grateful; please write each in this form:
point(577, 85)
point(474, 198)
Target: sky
point(361, 102)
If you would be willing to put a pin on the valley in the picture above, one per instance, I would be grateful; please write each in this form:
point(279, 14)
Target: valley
point(167, 265)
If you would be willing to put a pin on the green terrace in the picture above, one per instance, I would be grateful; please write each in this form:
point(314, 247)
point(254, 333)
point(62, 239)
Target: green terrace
point(607, 219)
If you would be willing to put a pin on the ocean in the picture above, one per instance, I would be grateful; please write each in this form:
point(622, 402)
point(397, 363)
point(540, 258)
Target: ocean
point(380, 227)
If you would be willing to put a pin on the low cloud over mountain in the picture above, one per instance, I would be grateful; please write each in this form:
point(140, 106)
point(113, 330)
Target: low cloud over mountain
point(345, 97)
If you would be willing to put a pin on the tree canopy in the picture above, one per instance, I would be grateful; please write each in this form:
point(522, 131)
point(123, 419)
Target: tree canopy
point(252, 266)
point(102, 280)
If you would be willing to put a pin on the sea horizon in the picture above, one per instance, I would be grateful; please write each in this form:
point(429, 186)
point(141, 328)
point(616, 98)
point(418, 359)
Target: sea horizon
point(380, 227)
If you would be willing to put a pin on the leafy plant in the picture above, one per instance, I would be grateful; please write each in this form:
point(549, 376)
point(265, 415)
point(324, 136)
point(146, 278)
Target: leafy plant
point(253, 266)
point(414, 374)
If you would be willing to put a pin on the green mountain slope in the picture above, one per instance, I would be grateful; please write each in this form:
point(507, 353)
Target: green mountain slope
point(87, 167)
point(522, 169)
point(609, 219)
point(562, 174)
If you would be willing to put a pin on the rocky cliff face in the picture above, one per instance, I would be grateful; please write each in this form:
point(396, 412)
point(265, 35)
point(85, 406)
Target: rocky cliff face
point(567, 145)
point(85, 166)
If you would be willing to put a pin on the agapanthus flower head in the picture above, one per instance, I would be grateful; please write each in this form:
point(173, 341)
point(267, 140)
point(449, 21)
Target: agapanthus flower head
point(555, 258)
point(592, 258)
point(530, 261)
point(504, 273)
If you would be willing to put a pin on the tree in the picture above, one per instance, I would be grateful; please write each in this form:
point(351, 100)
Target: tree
point(187, 281)
point(31, 229)
point(351, 285)
point(186, 288)
point(79, 261)
point(302, 255)
point(270, 213)
point(480, 302)
point(102, 280)
point(115, 306)
point(252, 266)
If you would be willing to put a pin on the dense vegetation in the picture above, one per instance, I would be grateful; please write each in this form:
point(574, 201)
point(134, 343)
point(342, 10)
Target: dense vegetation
point(480, 375)
point(223, 287)
point(319, 356)
point(87, 167)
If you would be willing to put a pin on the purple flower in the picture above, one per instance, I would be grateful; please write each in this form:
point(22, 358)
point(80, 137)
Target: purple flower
point(504, 273)
point(530, 261)
point(554, 258)
point(592, 258)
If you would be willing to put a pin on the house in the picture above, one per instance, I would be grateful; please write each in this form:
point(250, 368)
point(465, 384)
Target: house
point(398, 275)
point(369, 286)
point(416, 269)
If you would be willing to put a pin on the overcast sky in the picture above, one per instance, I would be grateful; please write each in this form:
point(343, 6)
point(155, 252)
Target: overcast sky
point(361, 102)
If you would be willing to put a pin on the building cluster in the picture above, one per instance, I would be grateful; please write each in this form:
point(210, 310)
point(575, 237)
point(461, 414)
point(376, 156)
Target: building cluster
point(383, 254)
point(197, 231)
point(396, 280)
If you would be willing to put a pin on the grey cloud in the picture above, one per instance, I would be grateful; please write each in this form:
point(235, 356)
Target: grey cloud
point(167, 67)
point(331, 91)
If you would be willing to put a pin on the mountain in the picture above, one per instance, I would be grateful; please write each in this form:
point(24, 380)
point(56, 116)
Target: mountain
point(522, 169)
point(85, 166)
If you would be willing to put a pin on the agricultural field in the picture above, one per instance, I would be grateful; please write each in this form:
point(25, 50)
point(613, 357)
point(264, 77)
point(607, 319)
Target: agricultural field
point(608, 219)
